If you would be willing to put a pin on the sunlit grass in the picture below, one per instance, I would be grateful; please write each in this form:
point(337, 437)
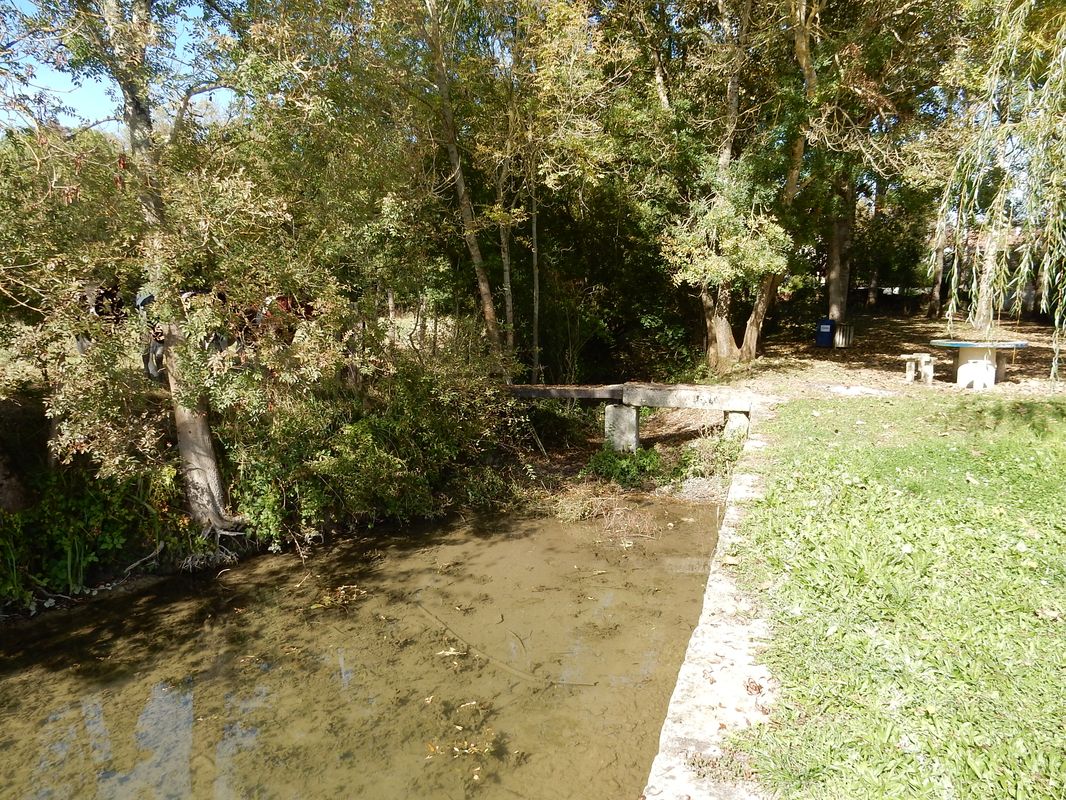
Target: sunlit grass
point(912, 556)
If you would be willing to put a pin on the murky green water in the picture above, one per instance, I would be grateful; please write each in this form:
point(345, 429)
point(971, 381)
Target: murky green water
point(513, 659)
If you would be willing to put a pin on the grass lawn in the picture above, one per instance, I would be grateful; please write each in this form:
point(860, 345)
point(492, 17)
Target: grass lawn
point(911, 555)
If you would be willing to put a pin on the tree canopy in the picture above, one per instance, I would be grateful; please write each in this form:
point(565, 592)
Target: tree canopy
point(263, 301)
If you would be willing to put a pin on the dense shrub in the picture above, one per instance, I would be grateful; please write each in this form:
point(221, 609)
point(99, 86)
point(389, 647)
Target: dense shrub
point(80, 527)
point(416, 441)
point(421, 440)
point(626, 469)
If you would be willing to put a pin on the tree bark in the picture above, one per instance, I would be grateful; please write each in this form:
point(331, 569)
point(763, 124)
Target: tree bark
point(508, 300)
point(466, 205)
point(717, 302)
point(732, 95)
point(505, 260)
point(662, 87)
point(1042, 288)
point(538, 373)
point(764, 300)
point(767, 291)
point(932, 306)
point(722, 350)
point(839, 261)
point(835, 277)
point(873, 287)
point(199, 464)
point(801, 44)
point(982, 314)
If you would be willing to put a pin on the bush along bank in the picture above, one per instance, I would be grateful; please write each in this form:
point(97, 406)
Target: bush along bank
point(420, 442)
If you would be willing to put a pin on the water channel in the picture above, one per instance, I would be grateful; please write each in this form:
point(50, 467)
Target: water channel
point(505, 658)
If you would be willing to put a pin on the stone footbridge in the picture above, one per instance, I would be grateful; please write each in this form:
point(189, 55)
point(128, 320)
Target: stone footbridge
point(621, 416)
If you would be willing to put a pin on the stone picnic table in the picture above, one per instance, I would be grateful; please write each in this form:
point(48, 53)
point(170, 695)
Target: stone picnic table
point(979, 364)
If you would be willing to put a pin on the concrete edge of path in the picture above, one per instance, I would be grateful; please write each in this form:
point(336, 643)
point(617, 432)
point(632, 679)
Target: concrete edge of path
point(720, 687)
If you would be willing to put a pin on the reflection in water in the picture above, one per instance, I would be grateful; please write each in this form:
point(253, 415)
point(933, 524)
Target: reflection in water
point(346, 674)
point(236, 738)
point(99, 742)
point(164, 731)
point(537, 663)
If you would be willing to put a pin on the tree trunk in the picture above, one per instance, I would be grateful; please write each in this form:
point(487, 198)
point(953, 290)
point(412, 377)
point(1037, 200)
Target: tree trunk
point(722, 350)
point(505, 260)
point(662, 88)
point(732, 94)
point(466, 205)
point(767, 292)
point(12, 492)
point(839, 262)
point(801, 45)
point(123, 50)
point(873, 287)
point(538, 373)
point(932, 307)
point(199, 464)
point(764, 300)
point(1042, 288)
point(717, 302)
point(982, 313)
point(835, 277)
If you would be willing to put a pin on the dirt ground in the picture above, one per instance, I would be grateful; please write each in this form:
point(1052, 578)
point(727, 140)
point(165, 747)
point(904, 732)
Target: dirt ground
point(796, 368)
point(791, 367)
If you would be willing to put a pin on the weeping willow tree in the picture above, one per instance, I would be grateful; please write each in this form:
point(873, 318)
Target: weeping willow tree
point(1006, 198)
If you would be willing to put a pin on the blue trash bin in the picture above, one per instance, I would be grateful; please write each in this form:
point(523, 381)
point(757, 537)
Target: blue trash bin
point(823, 337)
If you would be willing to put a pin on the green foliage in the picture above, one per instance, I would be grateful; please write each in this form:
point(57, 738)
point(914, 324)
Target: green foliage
point(564, 424)
point(626, 469)
point(81, 526)
point(916, 590)
point(893, 243)
point(726, 238)
point(1006, 181)
point(709, 457)
point(419, 442)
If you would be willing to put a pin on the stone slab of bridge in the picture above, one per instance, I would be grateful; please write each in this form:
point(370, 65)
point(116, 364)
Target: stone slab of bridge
point(621, 416)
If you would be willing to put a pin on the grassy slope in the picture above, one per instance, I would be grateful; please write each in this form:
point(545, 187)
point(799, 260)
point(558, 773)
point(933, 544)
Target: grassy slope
point(912, 555)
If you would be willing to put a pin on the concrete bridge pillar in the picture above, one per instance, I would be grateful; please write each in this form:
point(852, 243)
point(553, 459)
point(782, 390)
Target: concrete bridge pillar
point(736, 424)
point(621, 427)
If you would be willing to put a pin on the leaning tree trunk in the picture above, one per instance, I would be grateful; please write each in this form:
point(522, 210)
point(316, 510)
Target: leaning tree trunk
point(767, 291)
point(199, 464)
point(124, 52)
point(764, 299)
point(722, 350)
point(466, 205)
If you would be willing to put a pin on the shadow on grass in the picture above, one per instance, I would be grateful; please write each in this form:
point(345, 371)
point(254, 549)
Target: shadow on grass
point(1038, 417)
